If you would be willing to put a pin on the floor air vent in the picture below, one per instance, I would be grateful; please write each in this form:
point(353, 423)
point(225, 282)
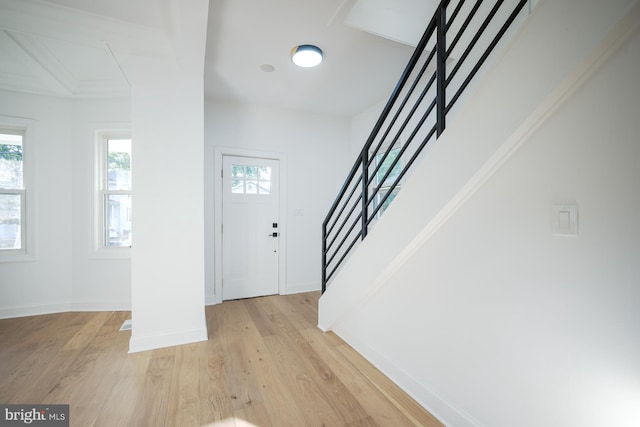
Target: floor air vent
point(126, 326)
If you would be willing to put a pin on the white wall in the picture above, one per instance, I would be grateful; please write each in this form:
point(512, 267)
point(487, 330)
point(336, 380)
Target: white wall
point(513, 325)
point(167, 116)
point(64, 275)
point(168, 247)
point(99, 282)
point(318, 159)
point(361, 126)
point(43, 285)
point(491, 320)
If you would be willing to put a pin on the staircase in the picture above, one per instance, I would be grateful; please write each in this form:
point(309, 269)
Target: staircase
point(458, 290)
point(456, 44)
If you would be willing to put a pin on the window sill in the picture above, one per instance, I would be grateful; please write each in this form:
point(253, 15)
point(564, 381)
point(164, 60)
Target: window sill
point(16, 256)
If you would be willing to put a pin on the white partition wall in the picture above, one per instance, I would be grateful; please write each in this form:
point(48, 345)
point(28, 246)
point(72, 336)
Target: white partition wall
point(168, 177)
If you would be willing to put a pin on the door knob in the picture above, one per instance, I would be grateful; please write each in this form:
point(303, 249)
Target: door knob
point(272, 235)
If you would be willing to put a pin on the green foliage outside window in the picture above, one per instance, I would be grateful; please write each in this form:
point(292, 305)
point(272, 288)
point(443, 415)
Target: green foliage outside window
point(12, 153)
point(119, 160)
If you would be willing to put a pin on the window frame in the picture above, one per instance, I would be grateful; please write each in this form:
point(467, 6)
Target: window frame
point(25, 128)
point(384, 189)
point(101, 192)
point(245, 180)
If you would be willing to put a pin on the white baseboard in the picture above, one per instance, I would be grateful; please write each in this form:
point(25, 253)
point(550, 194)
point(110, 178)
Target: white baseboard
point(34, 309)
point(444, 411)
point(210, 300)
point(169, 339)
point(63, 307)
point(298, 288)
point(101, 306)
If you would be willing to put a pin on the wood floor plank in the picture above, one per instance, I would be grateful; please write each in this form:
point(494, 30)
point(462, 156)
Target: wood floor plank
point(260, 316)
point(301, 309)
point(265, 364)
point(184, 408)
point(95, 386)
point(276, 393)
point(83, 350)
point(297, 378)
point(371, 399)
point(215, 400)
point(121, 403)
point(365, 422)
point(153, 401)
point(87, 333)
point(243, 386)
point(47, 340)
point(397, 397)
point(20, 329)
point(319, 373)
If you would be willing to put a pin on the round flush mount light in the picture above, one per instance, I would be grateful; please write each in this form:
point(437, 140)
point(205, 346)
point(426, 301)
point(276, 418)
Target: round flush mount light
point(306, 55)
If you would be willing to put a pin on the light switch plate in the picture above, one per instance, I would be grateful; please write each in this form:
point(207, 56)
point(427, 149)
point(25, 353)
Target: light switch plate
point(564, 220)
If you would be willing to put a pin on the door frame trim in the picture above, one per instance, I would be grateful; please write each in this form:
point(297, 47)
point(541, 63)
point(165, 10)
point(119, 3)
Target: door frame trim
point(219, 152)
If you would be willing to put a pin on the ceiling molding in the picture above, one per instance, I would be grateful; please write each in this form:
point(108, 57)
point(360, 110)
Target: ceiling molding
point(50, 74)
point(21, 72)
point(58, 22)
point(58, 51)
point(45, 59)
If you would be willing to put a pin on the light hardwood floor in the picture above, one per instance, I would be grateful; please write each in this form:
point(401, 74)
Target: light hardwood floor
point(265, 364)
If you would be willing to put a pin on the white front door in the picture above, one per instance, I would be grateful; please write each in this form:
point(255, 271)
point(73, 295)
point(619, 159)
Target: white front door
point(250, 227)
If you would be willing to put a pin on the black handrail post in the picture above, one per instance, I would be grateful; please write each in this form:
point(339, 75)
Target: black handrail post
point(324, 257)
point(365, 191)
point(441, 76)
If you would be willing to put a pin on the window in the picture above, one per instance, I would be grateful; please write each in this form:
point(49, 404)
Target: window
point(114, 192)
point(246, 179)
point(12, 192)
point(386, 186)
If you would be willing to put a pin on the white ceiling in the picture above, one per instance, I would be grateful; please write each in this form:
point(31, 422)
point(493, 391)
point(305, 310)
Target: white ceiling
point(400, 20)
point(151, 13)
point(58, 47)
point(49, 48)
point(359, 68)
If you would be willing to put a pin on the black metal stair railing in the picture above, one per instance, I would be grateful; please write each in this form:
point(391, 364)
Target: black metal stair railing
point(415, 113)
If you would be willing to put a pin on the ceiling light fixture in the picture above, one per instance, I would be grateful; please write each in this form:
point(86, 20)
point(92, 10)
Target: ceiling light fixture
point(306, 55)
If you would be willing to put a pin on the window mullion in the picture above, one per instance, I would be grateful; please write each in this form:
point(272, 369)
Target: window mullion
point(20, 191)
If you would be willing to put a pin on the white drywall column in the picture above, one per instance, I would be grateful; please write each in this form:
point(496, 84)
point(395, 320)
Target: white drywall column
point(168, 133)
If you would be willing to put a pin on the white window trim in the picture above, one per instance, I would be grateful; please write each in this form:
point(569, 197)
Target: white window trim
point(28, 223)
point(98, 248)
